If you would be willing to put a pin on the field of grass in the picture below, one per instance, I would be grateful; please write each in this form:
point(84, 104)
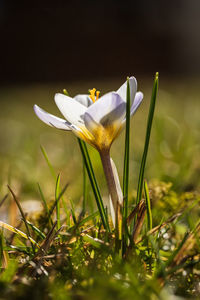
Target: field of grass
point(79, 262)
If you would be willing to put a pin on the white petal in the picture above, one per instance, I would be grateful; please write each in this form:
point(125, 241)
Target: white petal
point(122, 91)
point(51, 120)
point(72, 110)
point(137, 102)
point(119, 192)
point(107, 110)
point(84, 100)
point(117, 182)
point(90, 124)
point(112, 211)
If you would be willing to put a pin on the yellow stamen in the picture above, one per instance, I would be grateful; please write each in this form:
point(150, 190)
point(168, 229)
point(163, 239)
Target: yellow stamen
point(97, 95)
point(92, 94)
point(92, 97)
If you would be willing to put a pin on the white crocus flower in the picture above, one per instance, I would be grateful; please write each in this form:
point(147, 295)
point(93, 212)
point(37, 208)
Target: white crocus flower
point(98, 121)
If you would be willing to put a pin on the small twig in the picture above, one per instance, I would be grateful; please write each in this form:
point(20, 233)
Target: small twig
point(23, 216)
point(139, 221)
point(47, 241)
point(157, 228)
point(3, 200)
point(134, 212)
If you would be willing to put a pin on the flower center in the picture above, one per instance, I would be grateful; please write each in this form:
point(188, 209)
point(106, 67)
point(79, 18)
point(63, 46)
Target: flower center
point(94, 94)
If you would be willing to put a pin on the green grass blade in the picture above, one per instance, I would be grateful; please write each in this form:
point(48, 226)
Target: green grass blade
point(94, 184)
point(88, 218)
point(45, 203)
point(85, 191)
point(58, 199)
point(73, 212)
point(17, 248)
point(126, 154)
point(36, 230)
point(48, 162)
point(85, 220)
point(19, 232)
point(126, 170)
point(57, 202)
point(55, 178)
point(95, 242)
point(148, 205)
point(147, 139)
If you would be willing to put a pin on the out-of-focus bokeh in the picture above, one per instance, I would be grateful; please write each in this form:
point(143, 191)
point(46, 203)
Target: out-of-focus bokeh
point(50, 45)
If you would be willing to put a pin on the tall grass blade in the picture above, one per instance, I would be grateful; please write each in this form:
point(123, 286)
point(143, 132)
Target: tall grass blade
point(147, 139)
point(57, 202)
point(48, 162)
point(126, 154)
point(94, 184)
point(85, 191)
point(126, 170)
point(148, 206)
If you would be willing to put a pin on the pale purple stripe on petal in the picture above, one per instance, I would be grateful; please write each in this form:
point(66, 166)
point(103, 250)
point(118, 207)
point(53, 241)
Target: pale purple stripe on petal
point(83, 99)
point(108, 109)
point(137, 102)
point(50, 119)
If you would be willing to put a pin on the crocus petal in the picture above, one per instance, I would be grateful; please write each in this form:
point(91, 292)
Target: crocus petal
point(107, 110)
point(90, 123)
point(51, 120)
point(122, 91)
point(137, 102)
point(117, 182)
point(71, 109)
point(84, 100)
point(119, 192)
point(112, 211)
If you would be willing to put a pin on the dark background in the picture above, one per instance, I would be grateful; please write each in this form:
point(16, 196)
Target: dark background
point(48, 41)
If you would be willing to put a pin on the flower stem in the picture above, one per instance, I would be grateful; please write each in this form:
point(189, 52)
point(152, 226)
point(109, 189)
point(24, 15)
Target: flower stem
point(106, 162)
